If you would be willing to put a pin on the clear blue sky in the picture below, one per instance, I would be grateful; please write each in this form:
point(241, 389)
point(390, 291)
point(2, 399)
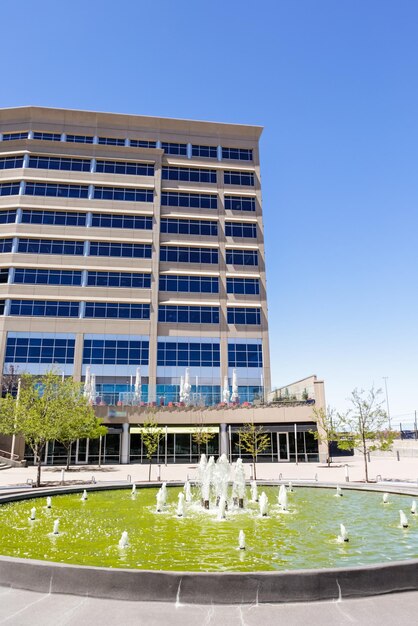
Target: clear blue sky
point(335, 84)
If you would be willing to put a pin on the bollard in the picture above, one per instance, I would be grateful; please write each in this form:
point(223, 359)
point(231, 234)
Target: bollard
point(62, 477)
point(129, 478)
point(280, 476)
point(93, 480)
point(347, 477)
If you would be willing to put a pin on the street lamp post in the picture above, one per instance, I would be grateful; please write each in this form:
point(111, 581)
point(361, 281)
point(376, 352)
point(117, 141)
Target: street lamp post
point(385, 378)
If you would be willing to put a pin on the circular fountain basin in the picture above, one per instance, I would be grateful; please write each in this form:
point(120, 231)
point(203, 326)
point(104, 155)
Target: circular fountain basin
point(290, 555)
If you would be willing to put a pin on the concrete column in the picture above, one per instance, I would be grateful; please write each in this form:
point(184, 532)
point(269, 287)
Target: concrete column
point(86, 250)
point(30, 134)
point(158, 144)
point(91, 192)
point(93, 164)
point(15, 245)
point(81, 310)
point(78, 356)
point(18, 216)
point(95, 139)
point(224, 440)
point(189, 150)
point(127, 143)
point(124, 448)
point(89, 219)
point(11, 276)
point(7, 303)
point(26, 160)
point(84, 278)
point(22, 188)
point(1, 136)
point(63, 137)
point(219, 150)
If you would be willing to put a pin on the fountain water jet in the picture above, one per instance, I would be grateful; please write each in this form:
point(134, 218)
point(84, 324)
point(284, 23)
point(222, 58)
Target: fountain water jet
point(133, 492)
point(290, 488)
point(84, 496)
point(32, 514)
point(180, 505)
point(222, 508)
point(414, 507)
point(187, 491)
point(240, 482)
point(283, 498)
point(163, 494)
point(124, 540)
point(343, 536)
point(160, 502)
point(403, 519)
point(48, 502)
point(56, 527)
point(385, 498)
point(254, 491)
point(263, 504)
point(241, 540)
point(339, 492)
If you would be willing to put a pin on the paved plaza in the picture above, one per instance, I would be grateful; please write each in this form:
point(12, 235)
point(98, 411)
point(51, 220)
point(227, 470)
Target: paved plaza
point(18, 606)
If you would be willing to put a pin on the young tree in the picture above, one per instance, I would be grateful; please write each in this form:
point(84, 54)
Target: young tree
point(327, 428)
point(365, 425)
point(151, 435)
point(253, 441)
point(201, 435)
point(78, 421)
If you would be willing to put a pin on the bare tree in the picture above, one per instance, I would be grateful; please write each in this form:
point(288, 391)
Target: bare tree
point(151, 435)
point(327, 428)
point(253, 440)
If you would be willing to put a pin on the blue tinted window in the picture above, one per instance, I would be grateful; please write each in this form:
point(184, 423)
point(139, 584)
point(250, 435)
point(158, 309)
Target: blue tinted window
point(207, 152)
point(185, 254)
point(59, 163)
point(122, 193)
point(115, 220)
point(245, 286)
point(2, 304)
point(236, 203)
point(7, 217)
point(47, 136)
point(239, 178)
point(9, 189)
point(245, 355)
point(79, 138)
point(61, 218)
point(15, 136)
point(115, 352)
point(189, 174)
point(238, 154)
point(50, 246)
point(179, 149)
point(192, 200)
point(62, 191)
point(4, 275)
point(244, 315)
point(187, 354)
point(130, 250)
point(125, 167)
point(31, 276)
point(6, 245)
point(44, 308)
point(119, 279)
point(188, 314)
point(117, 310)
point(142, 143)
point(39, 350)
point(189, 284)
point(242, 257)
point(111, 141)
point(8, 163)
point(237, 229)
point(188, 227)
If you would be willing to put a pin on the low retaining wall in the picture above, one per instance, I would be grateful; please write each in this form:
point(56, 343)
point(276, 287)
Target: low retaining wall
point(204, 588)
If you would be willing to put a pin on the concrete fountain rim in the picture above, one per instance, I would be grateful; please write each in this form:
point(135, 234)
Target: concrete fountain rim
point(304, 585)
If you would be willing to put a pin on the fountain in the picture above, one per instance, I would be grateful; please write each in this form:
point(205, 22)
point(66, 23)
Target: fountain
point(187, 491)
point(160, 501)
point(283, 498)
point(124, 540)
point(263, 504)
point(56, 527)
point(414, 507)
point(403, 519)
point(48, 502)
point(133, 492)
point(222, 508)
point(339, 493)
point(385, 498)
point(254, 491)
point(240, 482)
point(290, 488)
point(180, 505)
point(32, 514)
point(343, 536)
point(84, 496)
point(164, 494)
point(241, 540)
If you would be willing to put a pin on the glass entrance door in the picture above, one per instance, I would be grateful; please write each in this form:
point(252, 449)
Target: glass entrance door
point(283, 446)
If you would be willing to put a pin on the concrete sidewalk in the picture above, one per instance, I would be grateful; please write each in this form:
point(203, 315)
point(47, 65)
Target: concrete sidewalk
point(388, 469)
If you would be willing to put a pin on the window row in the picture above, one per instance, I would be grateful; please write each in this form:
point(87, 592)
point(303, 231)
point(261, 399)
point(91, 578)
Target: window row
point(74, 218)
point(188, 227)
point(177, 254)
point(105, 310)
point(9, 163)
point(244, 315)
point(189, 174)
point(247, 286)
point(189, 200)
point(189, 284)
point(245, 355)
point(115, 352)
point(188, 314)
point(242, 257)
point(78, 191)
point(42, 350)
point(188, 354)
point(76, 248)
point(84, 165)
point(29, 276)
point(239, 178)
point(237, 229)
point(177, 149)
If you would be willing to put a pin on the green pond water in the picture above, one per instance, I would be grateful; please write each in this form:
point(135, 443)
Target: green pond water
point(303, 537)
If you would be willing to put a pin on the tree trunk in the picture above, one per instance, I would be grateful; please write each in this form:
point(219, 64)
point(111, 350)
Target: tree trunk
point(149, 470)
point(38, 473)
point(68, 456)
point(366, 470)
point(255, 472)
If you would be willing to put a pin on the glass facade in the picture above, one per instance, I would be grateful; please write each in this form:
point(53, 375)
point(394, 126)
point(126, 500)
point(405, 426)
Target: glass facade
point(189, 284)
